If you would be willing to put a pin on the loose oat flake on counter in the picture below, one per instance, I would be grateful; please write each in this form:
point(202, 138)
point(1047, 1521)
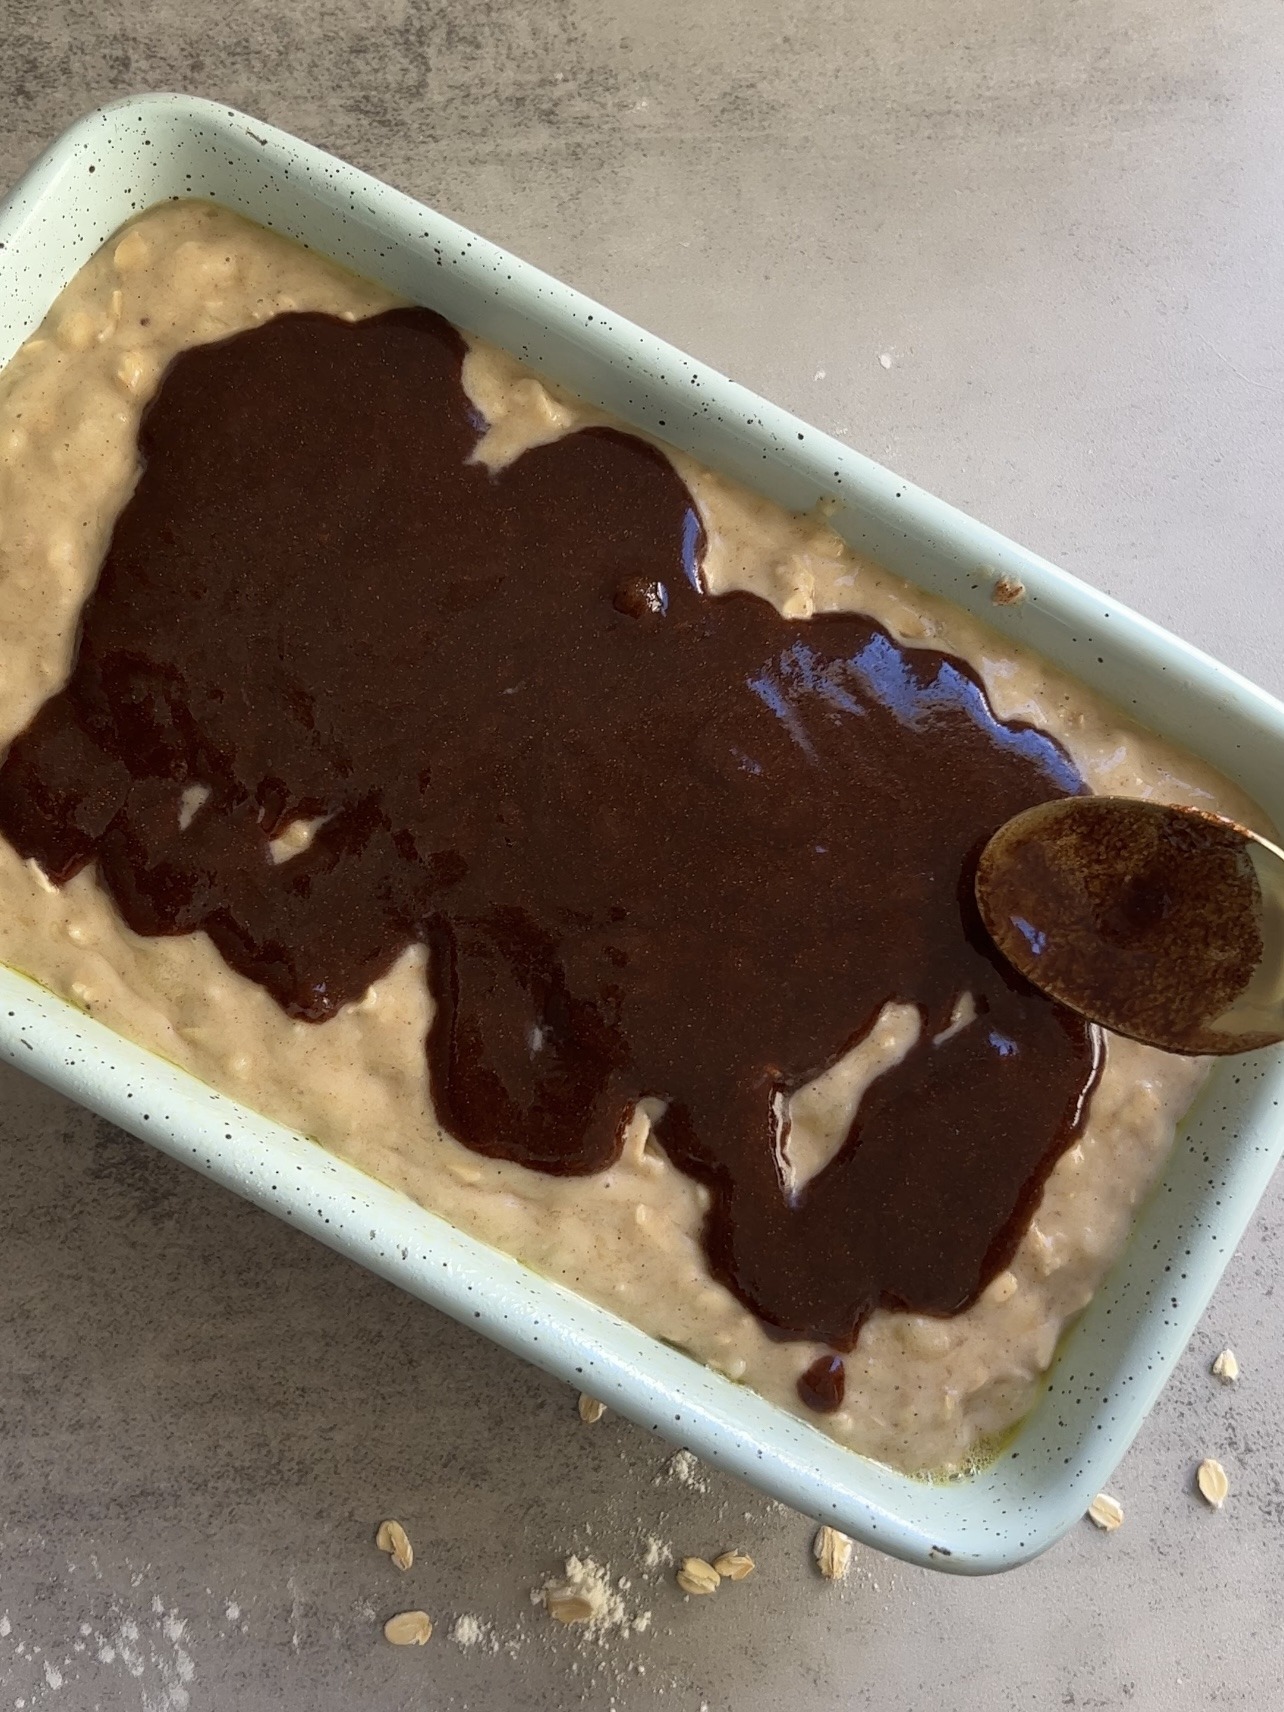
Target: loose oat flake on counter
point(393, 1539)
point(1226, 1367)
point(561, 834)
point(1213, 1485)
point(408, 1629)
point(1106, 1512)
point(697, 1576)
point(832, 1552)
point(589, 1596)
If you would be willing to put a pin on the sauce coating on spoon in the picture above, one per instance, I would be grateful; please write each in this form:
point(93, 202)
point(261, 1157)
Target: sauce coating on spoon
point(1148, 919)
point(659, 845)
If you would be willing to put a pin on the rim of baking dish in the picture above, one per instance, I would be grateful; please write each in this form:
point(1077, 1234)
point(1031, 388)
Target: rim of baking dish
point(1113, 1362)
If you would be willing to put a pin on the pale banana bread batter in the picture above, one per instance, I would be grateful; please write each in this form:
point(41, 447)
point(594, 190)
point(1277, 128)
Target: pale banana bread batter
point(923, 1394)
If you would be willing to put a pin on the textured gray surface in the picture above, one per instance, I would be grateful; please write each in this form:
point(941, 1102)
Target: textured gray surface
point(1059, 223)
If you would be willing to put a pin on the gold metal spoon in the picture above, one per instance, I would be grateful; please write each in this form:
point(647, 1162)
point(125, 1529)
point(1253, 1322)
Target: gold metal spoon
point(1165, 924)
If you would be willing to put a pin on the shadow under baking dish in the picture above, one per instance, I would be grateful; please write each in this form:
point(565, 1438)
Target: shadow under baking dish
point(1113, 1362)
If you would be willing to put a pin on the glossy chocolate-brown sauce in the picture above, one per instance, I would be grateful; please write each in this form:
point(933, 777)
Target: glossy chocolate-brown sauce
point(658, 844)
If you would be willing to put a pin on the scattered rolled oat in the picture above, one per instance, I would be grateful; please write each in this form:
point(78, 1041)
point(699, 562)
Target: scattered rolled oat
point(1008, 591)
point(590, 1593)
point(833, 1553)
point(1226, 1368)
point(408, 1629)
point(1106, 1511)
point(569, 1605)
point(392, 1539)
point(1212, 1481)
point(733, 1565)
point(697, 1576)
point(590, 1409)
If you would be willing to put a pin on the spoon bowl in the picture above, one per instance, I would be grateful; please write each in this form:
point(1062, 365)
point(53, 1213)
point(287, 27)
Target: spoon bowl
point(1165, 924)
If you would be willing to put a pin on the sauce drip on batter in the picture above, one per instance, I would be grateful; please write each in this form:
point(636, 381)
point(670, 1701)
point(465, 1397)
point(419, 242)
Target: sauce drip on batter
point(658, 844)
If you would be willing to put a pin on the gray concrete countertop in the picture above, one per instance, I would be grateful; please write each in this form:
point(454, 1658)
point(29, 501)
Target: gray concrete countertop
point(1030, 254)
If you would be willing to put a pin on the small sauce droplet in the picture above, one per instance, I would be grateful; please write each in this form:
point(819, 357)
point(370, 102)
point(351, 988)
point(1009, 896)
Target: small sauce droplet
point(823, 1385)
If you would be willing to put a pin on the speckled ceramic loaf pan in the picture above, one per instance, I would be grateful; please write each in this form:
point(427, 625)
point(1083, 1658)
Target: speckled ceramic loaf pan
point(1110, 1368)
